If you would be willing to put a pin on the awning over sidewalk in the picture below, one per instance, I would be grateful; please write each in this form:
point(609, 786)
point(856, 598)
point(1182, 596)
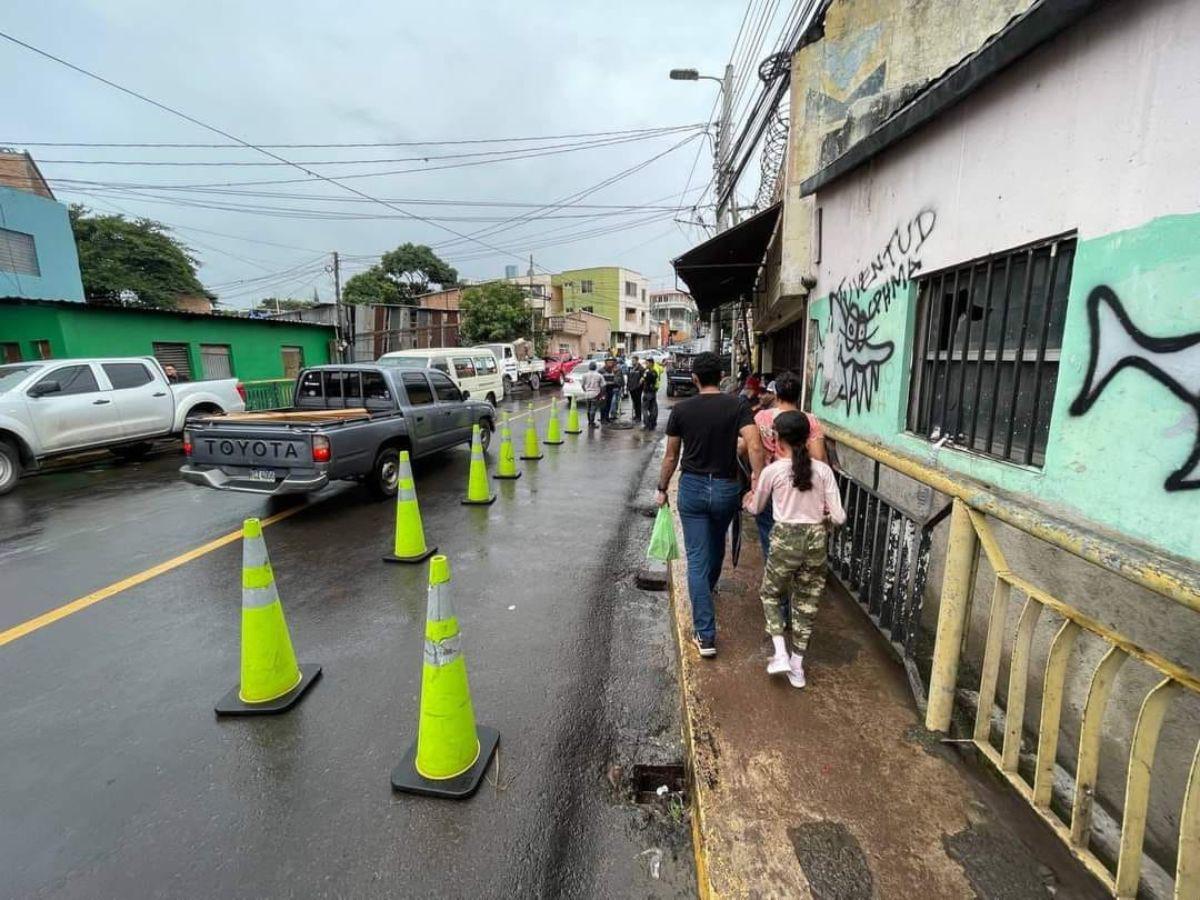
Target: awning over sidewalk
point(725, 268)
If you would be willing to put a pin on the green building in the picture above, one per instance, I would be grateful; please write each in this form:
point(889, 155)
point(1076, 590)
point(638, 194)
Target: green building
point(617, 294)
point(198, 345)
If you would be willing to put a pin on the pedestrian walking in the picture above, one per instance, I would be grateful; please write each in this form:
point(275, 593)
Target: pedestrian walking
point(633, 381)
point(650, 382)
point(610, 379)
point(702, 436)
point(616, 390)
point(804, 496)
point(592, 384)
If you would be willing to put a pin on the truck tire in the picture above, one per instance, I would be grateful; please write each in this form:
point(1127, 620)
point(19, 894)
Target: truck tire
point(507, 385)
point(534, 382)
point(385, 474)
point(485, 434)
point(491, 398)
point(10, 467)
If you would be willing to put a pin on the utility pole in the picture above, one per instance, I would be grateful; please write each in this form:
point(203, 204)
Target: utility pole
point(337, 300)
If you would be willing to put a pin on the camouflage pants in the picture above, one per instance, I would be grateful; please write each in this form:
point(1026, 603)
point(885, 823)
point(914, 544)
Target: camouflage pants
point(795, 565)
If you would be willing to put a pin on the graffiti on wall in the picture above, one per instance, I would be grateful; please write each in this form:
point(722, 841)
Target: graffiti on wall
point(851, 358)
point(1174, 362)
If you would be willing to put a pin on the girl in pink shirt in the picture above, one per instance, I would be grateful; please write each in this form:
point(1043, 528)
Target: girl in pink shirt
point(804, 496)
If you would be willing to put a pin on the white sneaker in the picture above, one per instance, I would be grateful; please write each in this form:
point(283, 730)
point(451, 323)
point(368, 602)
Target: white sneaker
point(795, 671)
point(778, 665)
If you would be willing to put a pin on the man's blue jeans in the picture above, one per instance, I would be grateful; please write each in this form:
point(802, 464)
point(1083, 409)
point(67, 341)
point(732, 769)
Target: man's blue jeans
point(706, 507)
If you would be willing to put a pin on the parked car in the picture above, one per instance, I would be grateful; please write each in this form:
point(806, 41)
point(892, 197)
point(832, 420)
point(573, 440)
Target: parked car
point(558, 367)
point(475, 370)
point(518, 365)
point(679, 375)
point(54, 407)
point(386, 409)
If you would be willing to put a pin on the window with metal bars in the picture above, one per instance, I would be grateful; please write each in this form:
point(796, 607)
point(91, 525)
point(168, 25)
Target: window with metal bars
point(988, 339)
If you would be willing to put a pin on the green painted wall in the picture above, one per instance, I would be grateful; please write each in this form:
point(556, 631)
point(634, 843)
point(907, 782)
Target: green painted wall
point(1111, 462)
point(606, 298)
point(254, 344)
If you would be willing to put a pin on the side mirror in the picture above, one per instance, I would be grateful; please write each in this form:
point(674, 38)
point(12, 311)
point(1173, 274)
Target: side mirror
point(45, 387)
point(464, 395)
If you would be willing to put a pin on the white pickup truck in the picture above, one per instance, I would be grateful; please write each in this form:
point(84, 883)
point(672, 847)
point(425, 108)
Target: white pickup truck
point(518, 364)
point(52, 407)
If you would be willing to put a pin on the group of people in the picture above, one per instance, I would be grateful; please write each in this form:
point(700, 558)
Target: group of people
point(751, 447)
point(604, 386)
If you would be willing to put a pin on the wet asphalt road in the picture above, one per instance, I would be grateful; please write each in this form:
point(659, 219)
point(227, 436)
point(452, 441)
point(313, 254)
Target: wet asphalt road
point(117, 781)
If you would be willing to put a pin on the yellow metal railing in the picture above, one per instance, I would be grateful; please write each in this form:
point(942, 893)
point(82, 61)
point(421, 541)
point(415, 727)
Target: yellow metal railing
point(970, 529)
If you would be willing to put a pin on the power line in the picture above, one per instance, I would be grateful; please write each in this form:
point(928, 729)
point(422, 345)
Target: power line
point(333, 146)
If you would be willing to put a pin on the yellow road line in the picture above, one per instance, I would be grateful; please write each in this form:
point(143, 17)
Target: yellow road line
point(537, 409)
point(31, 625)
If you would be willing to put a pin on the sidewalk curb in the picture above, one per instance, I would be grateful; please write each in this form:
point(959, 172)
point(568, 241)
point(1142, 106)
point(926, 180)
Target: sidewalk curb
point(700, 770)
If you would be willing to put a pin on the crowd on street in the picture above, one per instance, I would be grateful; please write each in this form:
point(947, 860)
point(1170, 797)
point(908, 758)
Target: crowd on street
point(604, 386)
point(744, 444)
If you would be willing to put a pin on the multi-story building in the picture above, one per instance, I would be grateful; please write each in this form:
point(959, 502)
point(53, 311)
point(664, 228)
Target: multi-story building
point(38, 259)
point(618, 294)
point(677, 310)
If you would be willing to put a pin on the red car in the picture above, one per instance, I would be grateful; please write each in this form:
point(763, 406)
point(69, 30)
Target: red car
point(558, 367)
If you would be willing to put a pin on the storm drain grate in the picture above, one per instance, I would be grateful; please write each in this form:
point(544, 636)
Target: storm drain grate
point(649, 782)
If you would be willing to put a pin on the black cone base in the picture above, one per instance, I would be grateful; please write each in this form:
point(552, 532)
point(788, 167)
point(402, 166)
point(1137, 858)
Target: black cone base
point(406, 778)
point(552, 443)
point(412, 560)
point(539, 456)
point(508, 477)
point(233, 705)
point(569, 431)
point(488, 502)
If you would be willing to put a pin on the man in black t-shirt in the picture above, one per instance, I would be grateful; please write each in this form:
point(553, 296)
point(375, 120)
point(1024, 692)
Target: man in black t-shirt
point(704, 430)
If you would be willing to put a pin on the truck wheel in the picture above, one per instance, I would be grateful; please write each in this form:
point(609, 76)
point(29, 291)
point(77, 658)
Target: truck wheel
point(485, 434)
point(534, 382)
point(507, 385)
point(10, 467)
point(385, 474)
point(491, 398)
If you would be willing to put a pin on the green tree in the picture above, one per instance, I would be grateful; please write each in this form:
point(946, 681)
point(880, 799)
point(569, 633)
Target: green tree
point(497, 311)
point(371, 286)
point(271, 304)
point(400, 276)
point(132, 262)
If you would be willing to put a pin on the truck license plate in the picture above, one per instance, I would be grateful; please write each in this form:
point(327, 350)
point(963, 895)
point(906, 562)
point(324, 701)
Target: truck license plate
point(262, 474)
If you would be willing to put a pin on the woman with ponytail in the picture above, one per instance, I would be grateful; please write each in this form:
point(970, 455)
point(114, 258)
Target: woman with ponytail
point(803, 495)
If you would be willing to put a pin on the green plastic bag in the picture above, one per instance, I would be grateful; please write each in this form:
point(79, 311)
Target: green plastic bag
point(662, 540)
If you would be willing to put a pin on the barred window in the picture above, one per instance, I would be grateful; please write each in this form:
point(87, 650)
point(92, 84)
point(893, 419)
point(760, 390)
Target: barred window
point(988, 339)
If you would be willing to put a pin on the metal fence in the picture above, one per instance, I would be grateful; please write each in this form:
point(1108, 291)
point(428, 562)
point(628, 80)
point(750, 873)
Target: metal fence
point(272, 393)
point(881, 556)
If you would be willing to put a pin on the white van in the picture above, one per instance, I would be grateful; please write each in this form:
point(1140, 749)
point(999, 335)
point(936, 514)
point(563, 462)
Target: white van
point(473, 369)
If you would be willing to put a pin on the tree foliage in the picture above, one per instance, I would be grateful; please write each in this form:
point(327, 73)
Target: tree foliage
point(400, 276)
point(497, 311)
point(271, 304)
point(132, 262)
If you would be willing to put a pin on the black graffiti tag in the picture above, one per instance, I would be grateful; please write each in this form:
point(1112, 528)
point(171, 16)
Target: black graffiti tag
point(890, 270)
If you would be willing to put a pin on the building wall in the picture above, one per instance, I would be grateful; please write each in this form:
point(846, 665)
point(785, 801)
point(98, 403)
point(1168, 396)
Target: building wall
point(96, 331)
point(1021, 160)
point(609, 300)
point(54, 243)
point(595, 338)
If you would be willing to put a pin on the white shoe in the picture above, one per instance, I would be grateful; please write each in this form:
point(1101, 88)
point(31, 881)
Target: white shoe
point(778, 665)
point(795, 671)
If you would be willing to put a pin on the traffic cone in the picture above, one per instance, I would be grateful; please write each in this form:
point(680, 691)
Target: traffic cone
point(451, 753)
point(532, 451)
point(271, 681)
point(479, 492)
point(507, 466)
point(553, 432)
point(410, 536)
point(573, 419)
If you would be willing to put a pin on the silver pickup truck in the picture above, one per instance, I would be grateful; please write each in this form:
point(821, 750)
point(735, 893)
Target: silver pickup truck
point(346, 422)
point(52, 407)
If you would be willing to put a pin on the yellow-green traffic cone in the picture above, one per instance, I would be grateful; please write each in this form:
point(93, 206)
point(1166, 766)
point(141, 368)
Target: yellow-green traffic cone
point(507, 466)
point(451, 753)
point(573, 419)
point(479, 492)
point(553, 432)
point(271, 680)
point(410, 535)
point(532, 450)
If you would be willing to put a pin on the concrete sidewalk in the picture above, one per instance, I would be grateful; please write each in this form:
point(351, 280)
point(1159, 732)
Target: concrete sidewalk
point(837, 791)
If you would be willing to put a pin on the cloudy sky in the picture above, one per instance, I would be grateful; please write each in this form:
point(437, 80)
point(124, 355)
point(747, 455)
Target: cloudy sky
point(311, 72)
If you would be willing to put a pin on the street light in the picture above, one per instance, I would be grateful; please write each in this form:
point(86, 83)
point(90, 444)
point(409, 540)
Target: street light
point(685, 75)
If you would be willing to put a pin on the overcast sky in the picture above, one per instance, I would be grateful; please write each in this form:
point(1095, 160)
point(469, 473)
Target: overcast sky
point(312, 72)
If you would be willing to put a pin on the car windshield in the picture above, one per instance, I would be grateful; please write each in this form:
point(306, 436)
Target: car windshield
point(405, 362)
point(11, 376)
